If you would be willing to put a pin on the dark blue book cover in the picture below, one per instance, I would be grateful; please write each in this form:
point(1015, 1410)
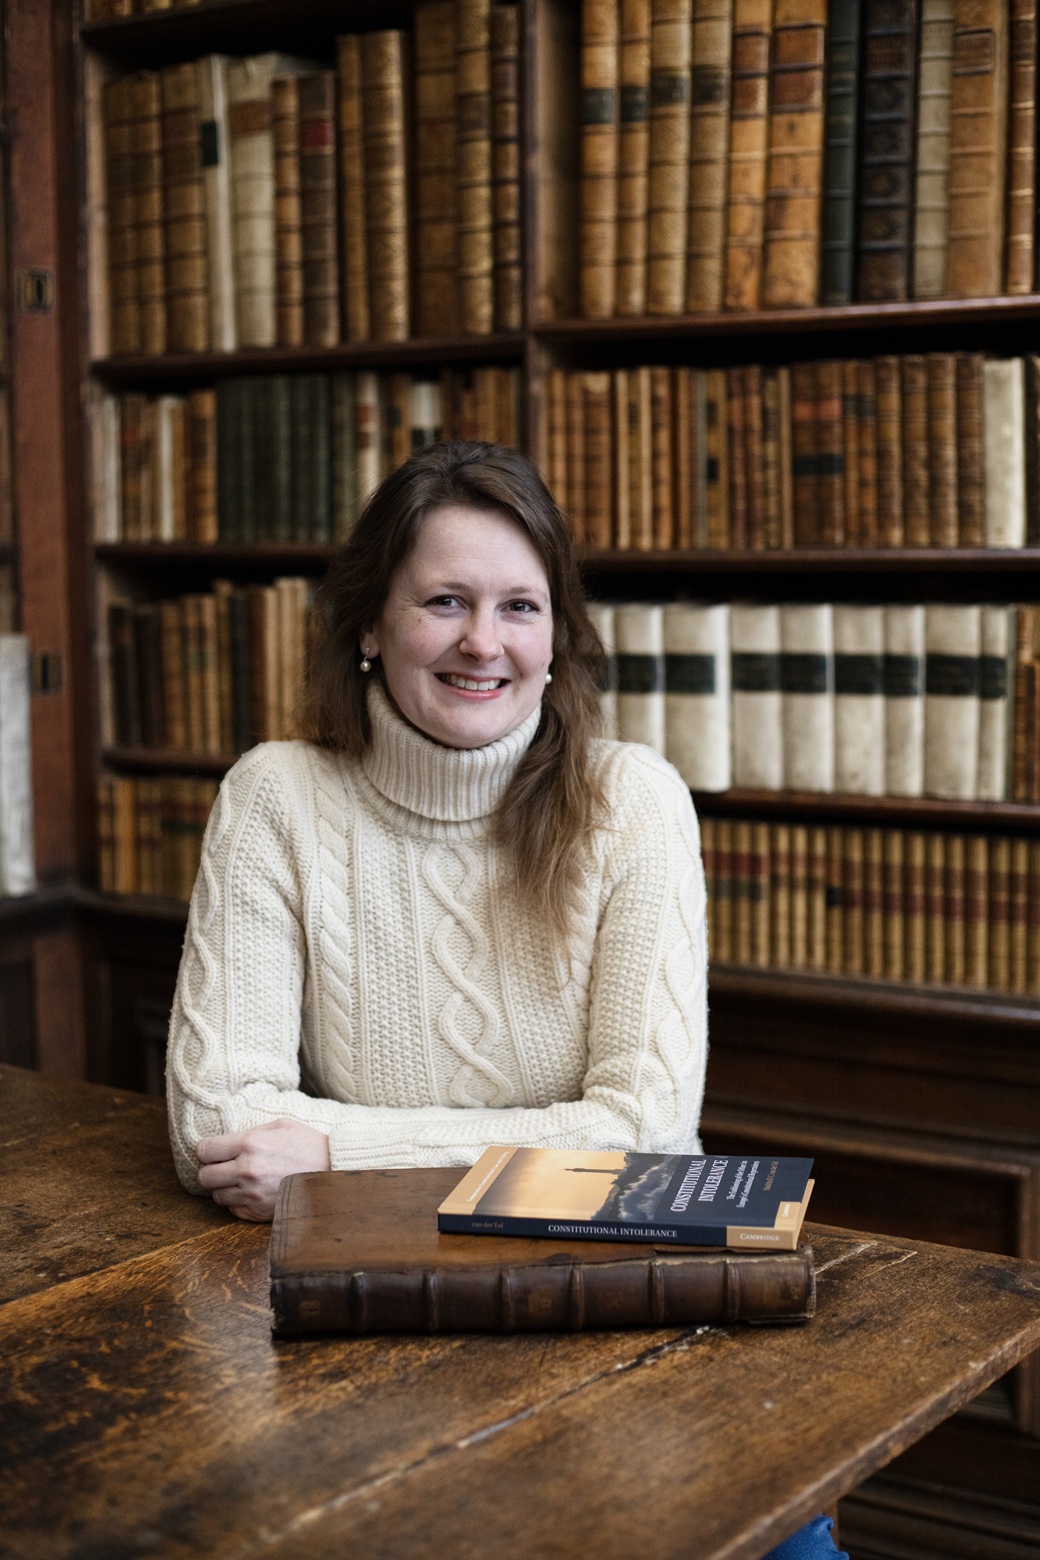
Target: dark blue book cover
point(744, 1201)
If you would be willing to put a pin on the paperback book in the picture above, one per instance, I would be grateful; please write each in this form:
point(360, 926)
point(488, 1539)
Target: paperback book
point(744, 1202)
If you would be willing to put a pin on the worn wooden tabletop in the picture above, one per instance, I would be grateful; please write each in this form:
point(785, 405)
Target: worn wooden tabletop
point(146, 1411)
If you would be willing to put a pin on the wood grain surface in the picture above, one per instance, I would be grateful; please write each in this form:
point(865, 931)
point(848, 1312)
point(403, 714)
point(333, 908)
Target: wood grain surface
point(145, 1409)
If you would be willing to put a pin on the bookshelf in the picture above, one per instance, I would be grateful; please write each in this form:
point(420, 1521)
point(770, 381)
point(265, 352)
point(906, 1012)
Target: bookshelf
point(876, 1078)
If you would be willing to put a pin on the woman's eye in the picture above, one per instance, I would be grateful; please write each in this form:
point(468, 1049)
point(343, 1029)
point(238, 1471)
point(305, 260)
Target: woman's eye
point(443, 601)
point(522, 606)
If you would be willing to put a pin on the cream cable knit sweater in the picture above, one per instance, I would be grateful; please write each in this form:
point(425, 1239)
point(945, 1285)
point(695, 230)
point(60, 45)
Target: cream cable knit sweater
point(355, 959)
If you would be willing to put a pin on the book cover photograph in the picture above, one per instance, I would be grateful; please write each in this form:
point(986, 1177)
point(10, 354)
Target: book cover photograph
point(740, 1201)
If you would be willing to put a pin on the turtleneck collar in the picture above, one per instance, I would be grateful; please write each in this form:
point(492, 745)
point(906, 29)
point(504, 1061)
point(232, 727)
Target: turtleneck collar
point(453, 785)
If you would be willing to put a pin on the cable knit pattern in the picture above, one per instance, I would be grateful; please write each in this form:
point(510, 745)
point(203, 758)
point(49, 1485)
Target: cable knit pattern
point(356, 959)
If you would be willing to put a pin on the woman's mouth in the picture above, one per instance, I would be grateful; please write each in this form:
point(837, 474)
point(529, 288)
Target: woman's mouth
point(472, 684)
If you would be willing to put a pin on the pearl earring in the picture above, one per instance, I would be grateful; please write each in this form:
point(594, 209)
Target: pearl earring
point(548, 677)
point(366, 664)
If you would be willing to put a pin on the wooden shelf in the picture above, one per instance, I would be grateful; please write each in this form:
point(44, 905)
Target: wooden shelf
point(310, 557)
point(815, 560)
point(870, 995)
point(148, 907)
point(237, 27)
point(155, 761)
point(925, 812)
point(196, 367)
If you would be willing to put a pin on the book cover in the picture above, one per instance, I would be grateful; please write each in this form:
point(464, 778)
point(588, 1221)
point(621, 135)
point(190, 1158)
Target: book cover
point(757, 703)
point(978, 148)
point(505, 167)
point(904, 700)
point(434, 168)
point(318, 214)
point(474, 252)
point(837, 251)
point(384, 78)
point(932, 176)
point(633, 155)
point(885, 195)
point(359, 1252)
point(859, 699)
point(352, 188)
point(710, 54)
point(184, 210)
point(951, 707)
point(807, 681)
point(213, 131)
point(794, 178)
point(599, 157)
point(669, 165)
point(696, 693)
point(748, 146)
point(1021, 168)
point(1004, 454)
point(639, 632)
point(17, 860)
point(747, 1202)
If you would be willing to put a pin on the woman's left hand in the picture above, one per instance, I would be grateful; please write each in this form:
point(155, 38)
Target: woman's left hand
point(244, 1170)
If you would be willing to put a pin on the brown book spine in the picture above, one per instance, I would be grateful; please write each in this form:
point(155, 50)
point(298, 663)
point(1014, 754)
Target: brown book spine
point(724, 871)
point(598, 486)
point(122, 217)
point(914, 417)
point(223, 591)
point(935, 907)
point(640, 458)
point(1021, 181)
point(786, 463)
point(184, 206)
point(435, 136)
point(874, 902)
point(106, 827)
point(772, 460)
point(852, 902)
point(955, 933)
point(978, 104)
point(149, 226)
point(317, 143)
point(208, 678)
point(1032, 442)
point(889, 453)
point(202, 464)
point(175, 734)
point(576, 454)
point(710, 54)
point(971, 470)
point(1033, 922)
point(780, 895)
point(505, 157)
point(748, 145)
point(754, 453)
point(817, 890)
point(999, 931)
point(794, 178)
point(741, 892)
point(707, 832)
point(383, 74)
point(669, 175)
point(803, 454)
point(683, 437)
point(661, 497)
point(633, 156)
point(759, 891)
point(622, 505)
point(556, 434)
point(716, 463)
point(867, 453)
point(830, 454)
point(850, 451)
point(1023, 703)
point(835, 893)
point(474, 243)
point(599, 157)
point(124, 830)
point(914, 908)
point(288, 219)
point(893, 906)
point(352, 181)
point(976, 887)
point(736, 465)
point(799, 901)
point(942, 449)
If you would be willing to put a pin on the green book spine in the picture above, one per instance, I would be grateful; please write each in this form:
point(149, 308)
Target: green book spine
point(241, 687)
point(263, 490)
point(344, 457)
point(841, 111)
point(321, 459)
point(228, 460)
point(299, 443)
point(247, 462)
point(281, 457)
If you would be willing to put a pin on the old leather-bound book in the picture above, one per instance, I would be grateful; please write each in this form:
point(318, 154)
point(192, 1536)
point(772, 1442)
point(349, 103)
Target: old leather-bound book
point(434, 177)
point(748, 144)
point(914, 387)
point(886, 151)
point(359, 1252)
point(794, 181)
point(317, 133)
point(1021, 184)
point(710, 53)
point(633, 155)
point(353, 231)
point(474, 217)
point(599, 157)
point(839, 164)
point(669, 176)
point(184, 210)
point(505, 166)
point(149, 225)
point(932, 173)
point(978, 149)
point(384, 85)
point(288, 228)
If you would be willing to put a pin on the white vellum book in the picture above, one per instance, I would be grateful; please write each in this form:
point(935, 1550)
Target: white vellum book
point(17, 859)
point(807, 682)
point(757, 710)
point(696, 693)
point(951, 701)
point(639, 636)
point(859, 699)
point(904, 700)
point(996, 680)
point(1004, 447)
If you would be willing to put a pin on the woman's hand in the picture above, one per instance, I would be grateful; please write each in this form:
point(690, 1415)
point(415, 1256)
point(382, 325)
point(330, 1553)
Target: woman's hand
point(243, 1170)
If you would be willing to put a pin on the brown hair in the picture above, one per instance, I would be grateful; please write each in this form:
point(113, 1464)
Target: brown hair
point(553, 802)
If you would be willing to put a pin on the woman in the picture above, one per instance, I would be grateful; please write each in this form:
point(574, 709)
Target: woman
point(452, 917)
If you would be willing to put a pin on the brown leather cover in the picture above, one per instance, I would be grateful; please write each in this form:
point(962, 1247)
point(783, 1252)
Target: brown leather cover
point(288, 229)
point(915, 449)
point(317, 133)
point(359, 1251)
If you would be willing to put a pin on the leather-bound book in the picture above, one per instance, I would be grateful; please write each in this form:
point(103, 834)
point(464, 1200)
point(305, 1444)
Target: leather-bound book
point(867, 452)
point(998, 906)
point(783, 382)
point(835, 900)
point(889, 452)
point(754, 456)
point(344, 455)
point(1018, 916)
point(830, 454)
point(599, 157)
point(1004, 457)
point(288, 218)
point(916, 963)
point(737, 461)
point(434, 167)
point(757, 699)
point(669, 175)
point(175, 734)
point(222, 593)
point(886, 150)
point(742, 887)
point(799, 896)
point(807, 682)
point(317, 98)
point(852, 886)
point(816, 890)
point(555, 470)
point(996, 672)
point(723, 891)
point(1033, 926)
point(184, 209)
point(149, 224)
point(696, 694)
point(1022, 704)
point(971, 470)
point(639, 632)
point(622, 501)
point(1020, 266)
point(837, 247)
point(505, 166)
point(951, 708)
point(474, 243)
point(759, 896)
point(748, 147)
point(640, 459)
point(359, 1252)
point(932, 173)
point(212, 83)
point(904, 699)
point(125, 330)
point(935, 907)
point(850, 450)
point(352, 192)
point(662, 502)
point(942, 449)
point(633, 155)
point(575, 413)
point(710, 51)
point(384, 77)
point(794, 180)
point(978, 149)
point(131, 411)
point(893, 905)
point(976, 911)
point(803, 454)
point(1032, 443)
point(914, 409)
point(873, 903)
point(774, 476)
point(716, 461)
point(598, 465)
point(684, 449)
point(780, 895)
point(954, 908)
point(859, 699)
point(124, 673)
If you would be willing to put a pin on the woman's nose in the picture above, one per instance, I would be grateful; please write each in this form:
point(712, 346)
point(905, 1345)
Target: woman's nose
point(480, 638)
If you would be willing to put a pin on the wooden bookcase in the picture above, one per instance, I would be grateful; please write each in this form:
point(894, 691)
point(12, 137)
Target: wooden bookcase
point(921, 1104)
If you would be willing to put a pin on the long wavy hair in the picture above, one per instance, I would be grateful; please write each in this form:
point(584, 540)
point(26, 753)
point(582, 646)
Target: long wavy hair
point(554, 802)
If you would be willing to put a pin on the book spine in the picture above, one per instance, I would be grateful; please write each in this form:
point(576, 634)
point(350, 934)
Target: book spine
point(761, 911)
point(17, 861)
point(830, 455)
point(998, 915)
point(795, 168)
point(1021, 172)
point(383, 74)
point(780, 895)
point(867, 452)
point(971, 471)
point(935, 907)
point(715, 461)
point(697, 701)
point(893, 897)
point(852, 898)
point(859, 699)
point(904, 700)
point(474, 252)
point(201, 436)
point(184, 205)
point(288, 216)
point(213, 130)
point(669, 166)
point(850, 428)
point(251, 145)
point(837, 251)
point(505, 157)
point(736, 465)
point(601, 615)
point(1004, 455)
point(1018, 917)
point(640, 458)
point(434, 167)
point(684, 449)
point(942, 449)
point(1032, 448)
point(351, 142)
point(710, 55)
point(124, 303)
point(976, 918)
point(914, 407)
point(662, 504)
point(807, 682)
point(149, 224)
point(951, 713)
point(319, 221)
point(639, 633)
point(742, 842)
point(756, 705)
point(889, 452)
point(803, 454)
point(996, 664)
point(886, 151)
point(978, 146)
point(633, 155)
point(598, 494)
point(723, 891)
point(932, 176)
point(748, 147)
point(599, 157)
point(755, 458)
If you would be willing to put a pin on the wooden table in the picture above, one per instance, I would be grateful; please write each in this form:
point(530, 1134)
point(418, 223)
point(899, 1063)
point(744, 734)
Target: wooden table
point(146, 1411)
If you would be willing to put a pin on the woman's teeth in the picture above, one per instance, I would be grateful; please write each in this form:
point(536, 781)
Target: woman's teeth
point(470, 683)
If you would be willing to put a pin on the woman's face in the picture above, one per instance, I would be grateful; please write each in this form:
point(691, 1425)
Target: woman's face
point(466, 632)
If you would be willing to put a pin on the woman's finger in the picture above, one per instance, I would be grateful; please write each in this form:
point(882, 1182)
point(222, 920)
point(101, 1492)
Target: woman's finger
point(213, 1177)
point(210, 1150)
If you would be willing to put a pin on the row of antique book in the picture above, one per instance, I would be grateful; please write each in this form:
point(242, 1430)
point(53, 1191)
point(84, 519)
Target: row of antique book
point(17, 853)
point(277, 457)
point(263, 201)
point(900, 700)
point(936, 450)
point(210, 672)
point(739, 154)
point(957, 909)
point(150, 833)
